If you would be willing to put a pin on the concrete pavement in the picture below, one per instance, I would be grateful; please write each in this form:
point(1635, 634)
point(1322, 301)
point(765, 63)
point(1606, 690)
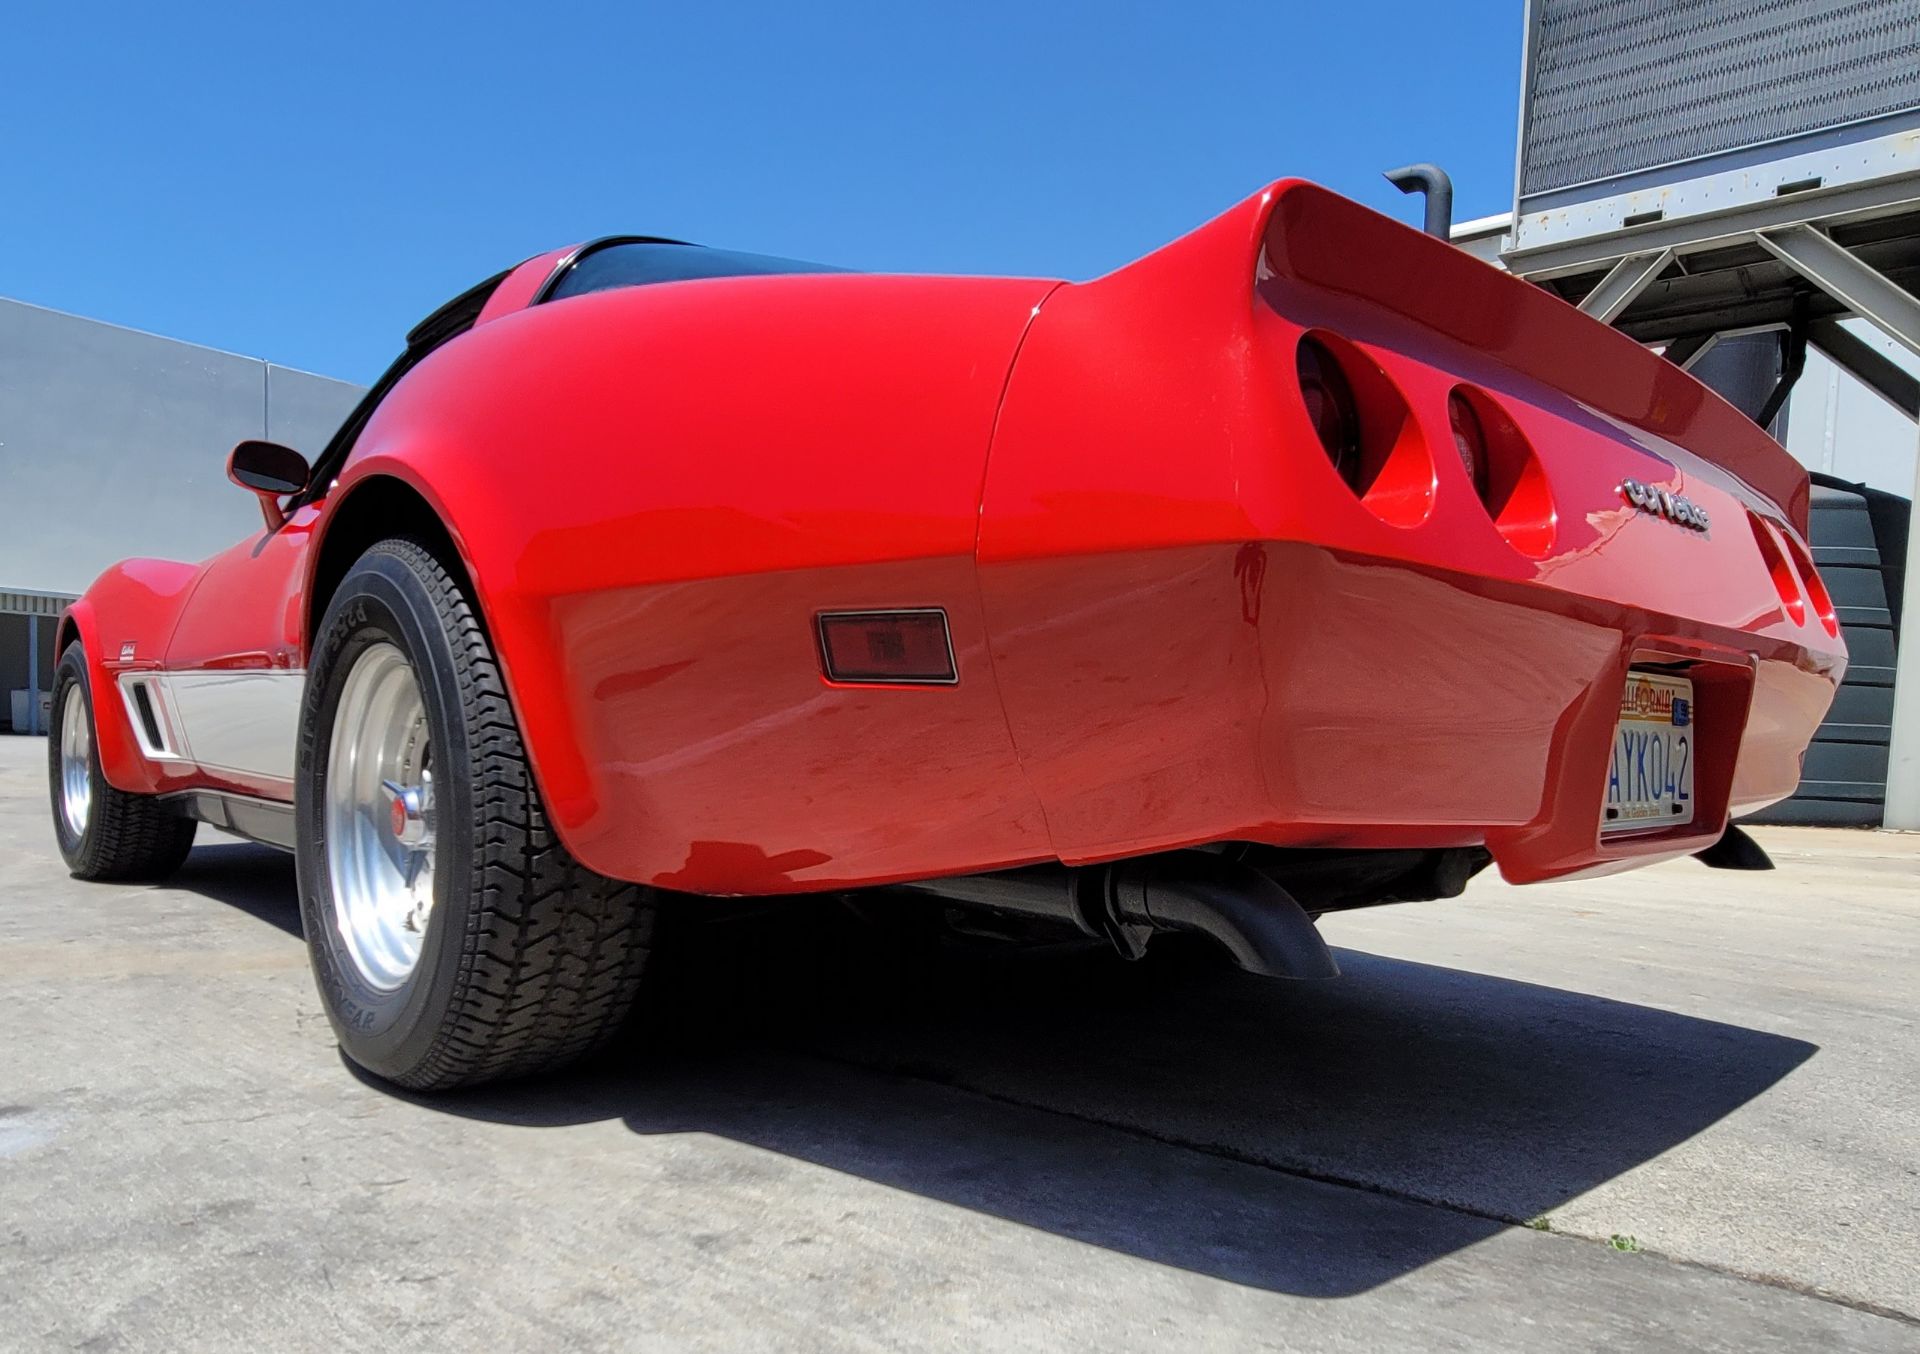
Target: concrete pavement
point(995, 1152)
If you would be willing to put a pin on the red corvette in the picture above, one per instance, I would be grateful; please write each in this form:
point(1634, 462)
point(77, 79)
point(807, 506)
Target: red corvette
point(1305, 563)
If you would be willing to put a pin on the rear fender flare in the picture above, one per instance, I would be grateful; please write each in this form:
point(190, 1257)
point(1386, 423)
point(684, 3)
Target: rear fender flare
point(120, 759)
point(432, 474)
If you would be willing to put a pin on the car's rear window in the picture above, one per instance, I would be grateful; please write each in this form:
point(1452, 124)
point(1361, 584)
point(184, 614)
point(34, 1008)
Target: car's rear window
point(639, 263)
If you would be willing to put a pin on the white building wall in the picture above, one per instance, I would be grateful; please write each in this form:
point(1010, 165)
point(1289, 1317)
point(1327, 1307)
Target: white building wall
point(1837, 425)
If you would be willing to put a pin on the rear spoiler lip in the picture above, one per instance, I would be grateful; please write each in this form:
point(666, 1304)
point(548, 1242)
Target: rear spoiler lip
point(1319, 239)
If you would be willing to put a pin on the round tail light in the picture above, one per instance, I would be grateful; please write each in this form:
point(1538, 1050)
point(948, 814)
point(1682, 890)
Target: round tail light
point(1333, 411)
point(1470, 440)
point(1505, 472)
point(1816, 587)
point(1784, 583)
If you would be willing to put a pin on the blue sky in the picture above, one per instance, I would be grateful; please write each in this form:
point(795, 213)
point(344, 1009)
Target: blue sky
point(303, 183)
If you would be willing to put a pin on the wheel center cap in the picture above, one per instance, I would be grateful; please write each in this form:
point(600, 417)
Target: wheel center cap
point(409, 813)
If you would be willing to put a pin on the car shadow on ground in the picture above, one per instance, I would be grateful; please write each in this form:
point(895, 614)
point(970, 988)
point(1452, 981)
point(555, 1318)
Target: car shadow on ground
point(1175, 1110)
point(1046, 1088)
point(256, 880)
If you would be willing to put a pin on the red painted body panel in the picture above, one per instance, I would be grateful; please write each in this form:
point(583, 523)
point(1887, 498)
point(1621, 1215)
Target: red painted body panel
point(124, 622)
point(248, 611)
point(651, 531)
point(1173, 622)
point(1201, 634)
point(248, 614)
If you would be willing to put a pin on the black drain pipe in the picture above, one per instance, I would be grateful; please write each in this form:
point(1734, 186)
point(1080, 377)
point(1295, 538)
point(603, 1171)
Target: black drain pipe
point(1793, 361)
point(1433, 181)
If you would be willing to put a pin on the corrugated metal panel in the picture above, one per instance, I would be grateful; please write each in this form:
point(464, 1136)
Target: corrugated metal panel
point(1861, 560)
point(22, 602)
point(1620, 86)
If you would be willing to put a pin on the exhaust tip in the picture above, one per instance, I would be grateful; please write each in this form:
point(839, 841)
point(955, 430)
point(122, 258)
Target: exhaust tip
point(1258, 922)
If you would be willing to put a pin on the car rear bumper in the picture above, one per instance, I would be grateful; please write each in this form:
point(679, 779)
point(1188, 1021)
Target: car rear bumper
point(1287, 694)
point(1270, 692)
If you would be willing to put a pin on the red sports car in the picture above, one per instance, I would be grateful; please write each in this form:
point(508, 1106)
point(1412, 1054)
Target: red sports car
point(1305, 563)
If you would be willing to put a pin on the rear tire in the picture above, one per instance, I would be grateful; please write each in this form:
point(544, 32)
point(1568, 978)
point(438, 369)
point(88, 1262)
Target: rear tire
point(103, 833)
point(509, 956)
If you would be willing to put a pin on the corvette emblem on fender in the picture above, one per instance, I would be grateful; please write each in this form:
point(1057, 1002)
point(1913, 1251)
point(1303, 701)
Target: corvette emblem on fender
point(1682, 512)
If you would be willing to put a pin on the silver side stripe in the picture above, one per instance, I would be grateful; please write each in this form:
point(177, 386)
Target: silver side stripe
point(150, 712)
point(244, 721)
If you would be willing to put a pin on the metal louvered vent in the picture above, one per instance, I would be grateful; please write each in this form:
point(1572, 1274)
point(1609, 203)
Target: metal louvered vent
point(1616, 87)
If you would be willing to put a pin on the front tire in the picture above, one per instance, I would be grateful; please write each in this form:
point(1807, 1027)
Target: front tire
point(453, 937)
point(103, 833)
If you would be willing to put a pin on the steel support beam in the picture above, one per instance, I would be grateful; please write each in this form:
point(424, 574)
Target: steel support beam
point(1841, 274)
point(1624, 282)
point(1903, 744)
point(1684, 352)
point(1691, 234)
point(1873, 368)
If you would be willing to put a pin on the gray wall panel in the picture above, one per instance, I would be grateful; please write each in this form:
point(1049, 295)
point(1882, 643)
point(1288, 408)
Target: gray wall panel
point(1860, 714)
point(113, 443)
point(303, 409)
point(1870, 654)
point(1859, 594)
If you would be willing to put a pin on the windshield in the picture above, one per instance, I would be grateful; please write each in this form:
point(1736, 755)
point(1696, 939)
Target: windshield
point(637, 263)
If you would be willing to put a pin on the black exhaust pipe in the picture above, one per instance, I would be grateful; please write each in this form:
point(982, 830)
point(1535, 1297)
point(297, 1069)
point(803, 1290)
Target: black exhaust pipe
point(1258, 922)
point(1433, 181)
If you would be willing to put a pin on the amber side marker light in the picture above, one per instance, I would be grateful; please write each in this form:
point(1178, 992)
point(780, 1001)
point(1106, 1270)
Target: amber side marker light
point(888, 647)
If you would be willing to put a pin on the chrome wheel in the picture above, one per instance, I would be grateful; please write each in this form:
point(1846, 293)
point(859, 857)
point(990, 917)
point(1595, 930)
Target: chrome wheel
point(379, 817)
point(76, 762)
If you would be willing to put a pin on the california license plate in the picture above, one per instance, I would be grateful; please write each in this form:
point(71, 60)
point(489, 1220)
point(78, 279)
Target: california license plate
point(1650, 782)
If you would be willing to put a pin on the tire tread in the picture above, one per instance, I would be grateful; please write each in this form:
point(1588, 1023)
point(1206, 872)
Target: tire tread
point(130, 837)
point(553, 953)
